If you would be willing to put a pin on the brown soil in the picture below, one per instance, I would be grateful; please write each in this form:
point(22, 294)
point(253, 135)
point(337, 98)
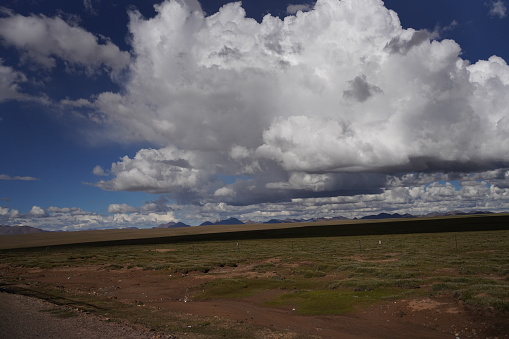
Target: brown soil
point(410, 318)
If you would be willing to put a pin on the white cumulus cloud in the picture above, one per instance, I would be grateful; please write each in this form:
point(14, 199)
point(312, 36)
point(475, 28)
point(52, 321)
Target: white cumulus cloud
point(336, 101)
point(6, 212)
point(162, 171)
point(37, 212)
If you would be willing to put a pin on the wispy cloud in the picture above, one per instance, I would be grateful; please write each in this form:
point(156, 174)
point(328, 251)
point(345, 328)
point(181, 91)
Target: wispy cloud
point(8, 177)
point(89, 7)
point(11, 87)
point(10, 84)
point(99, 171)
point(42, 39)
point(498, 9)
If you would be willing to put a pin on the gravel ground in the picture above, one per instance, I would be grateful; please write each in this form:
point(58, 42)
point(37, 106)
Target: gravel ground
point(24, 317)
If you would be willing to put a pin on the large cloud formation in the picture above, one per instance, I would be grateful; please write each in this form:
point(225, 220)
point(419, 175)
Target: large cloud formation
point(335, 102)
point(341, 88)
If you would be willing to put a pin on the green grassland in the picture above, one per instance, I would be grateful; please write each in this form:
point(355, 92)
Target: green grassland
point(332, 271)
point(465, 264)
point(331, 228)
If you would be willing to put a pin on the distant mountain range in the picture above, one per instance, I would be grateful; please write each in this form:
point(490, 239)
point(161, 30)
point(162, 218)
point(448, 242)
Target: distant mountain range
point(12, 230)
point(444, 214)
point(172, 225)
point(229, 221)
point(389, 216)
point(235, 221)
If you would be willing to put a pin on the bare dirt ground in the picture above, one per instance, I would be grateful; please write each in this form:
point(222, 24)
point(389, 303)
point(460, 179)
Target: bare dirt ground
point(421, 317)
point(23, 317)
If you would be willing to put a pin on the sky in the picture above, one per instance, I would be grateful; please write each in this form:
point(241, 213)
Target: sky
point(117, 114)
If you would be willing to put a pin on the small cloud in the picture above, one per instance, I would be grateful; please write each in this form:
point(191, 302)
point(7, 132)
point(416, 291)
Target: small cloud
point(224, 191)
point(498, 9)
point(53, 209)
point(293, 9)
point(8, 177)
point(451, 26)
point(439, 31)
point(121, 208)
point(37, 212)
point(5, 199)
point(98, 170)
point(80, 103)
point(89, 7)
point(6, 213)
point(159, 205)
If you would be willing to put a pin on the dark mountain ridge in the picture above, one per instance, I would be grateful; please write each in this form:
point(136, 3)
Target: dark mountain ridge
point(388, 216)
point(235, 221)
point(12, 230)
point(172, 225)
point(229, 221)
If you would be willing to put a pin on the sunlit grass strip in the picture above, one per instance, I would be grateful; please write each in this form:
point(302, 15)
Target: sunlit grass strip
point(328, 302)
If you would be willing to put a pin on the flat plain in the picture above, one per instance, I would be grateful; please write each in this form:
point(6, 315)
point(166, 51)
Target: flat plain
point(389, 279)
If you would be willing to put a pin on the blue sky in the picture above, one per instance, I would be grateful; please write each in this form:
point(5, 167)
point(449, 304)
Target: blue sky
point(116, 114)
